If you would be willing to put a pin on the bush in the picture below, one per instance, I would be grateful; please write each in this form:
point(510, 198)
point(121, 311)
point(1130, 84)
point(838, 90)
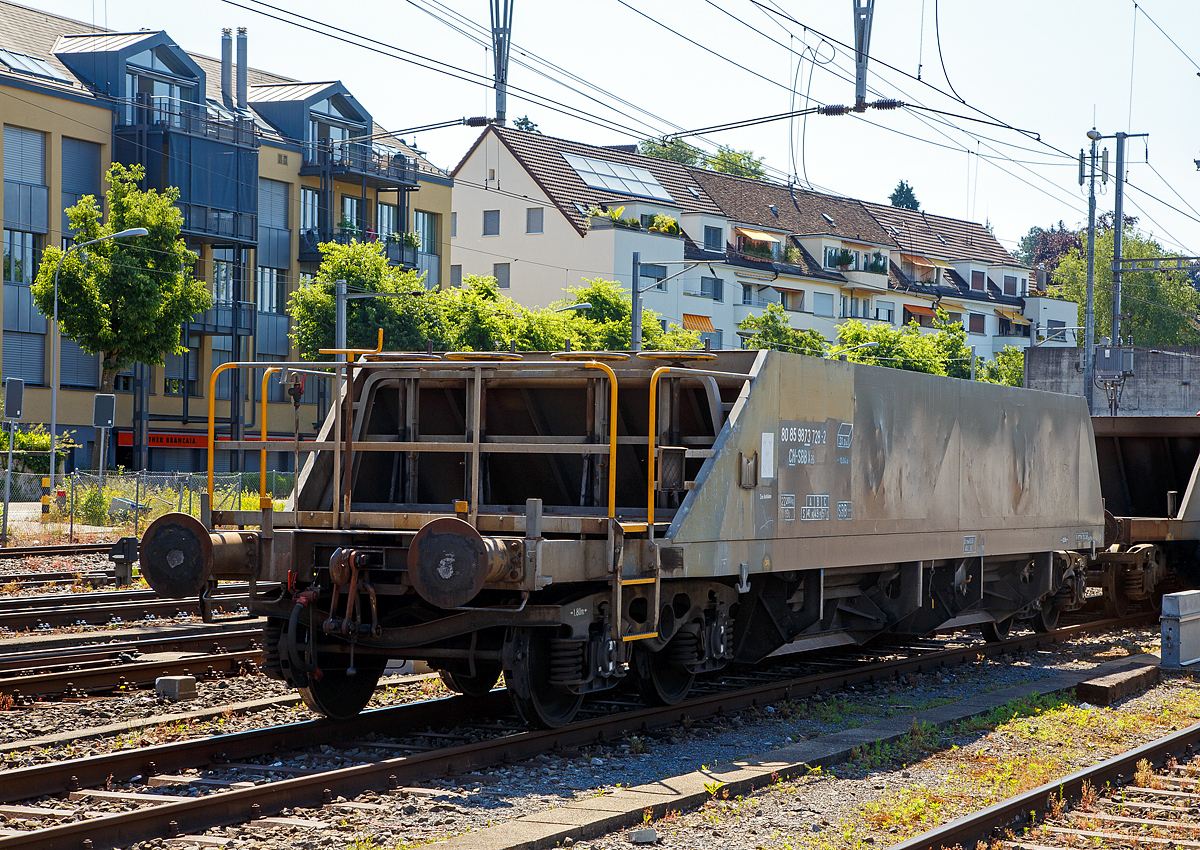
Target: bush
point(94, 507)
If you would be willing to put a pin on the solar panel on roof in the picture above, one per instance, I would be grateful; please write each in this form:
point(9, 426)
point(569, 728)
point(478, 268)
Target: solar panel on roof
point(617, 178)
point(23, 64)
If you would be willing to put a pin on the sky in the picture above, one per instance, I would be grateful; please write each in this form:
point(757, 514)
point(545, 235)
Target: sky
point(1035, 76)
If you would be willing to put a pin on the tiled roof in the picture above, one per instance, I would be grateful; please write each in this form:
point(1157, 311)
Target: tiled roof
point(105, 42)
point(917, 233)
point(809, 266)
point(799, 212)
point(34, 32)
point(275, 92)
point(542, 157)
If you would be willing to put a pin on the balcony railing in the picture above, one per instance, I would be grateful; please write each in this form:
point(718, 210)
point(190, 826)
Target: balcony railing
point(708, 288)
point(210, 221)
point(227, 317)
point(397, 253)
point(358, 158)
point(194, 119)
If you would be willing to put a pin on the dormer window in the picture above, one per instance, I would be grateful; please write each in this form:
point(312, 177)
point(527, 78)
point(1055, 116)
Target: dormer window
point(157, 79)
point(756, 244)
point(332, 121)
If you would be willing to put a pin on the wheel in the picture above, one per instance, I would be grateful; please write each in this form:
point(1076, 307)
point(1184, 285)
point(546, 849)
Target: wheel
point(487, 673)
point(662, 678)
point(996, 631)
point(527, 673)
point(1046, 618)
point(1116, 603)
point(338, 695)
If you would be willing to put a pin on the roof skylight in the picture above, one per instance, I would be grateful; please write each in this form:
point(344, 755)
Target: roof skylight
point(828, 219)
point(618, 178)
point(695, 192)
point(23, 64)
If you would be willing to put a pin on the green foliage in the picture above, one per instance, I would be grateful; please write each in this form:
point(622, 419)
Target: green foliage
point(524, 124)
point(1162, 305)
point(878, 264)
point(773, 330)
point(126, 300)
point(1008, 367)
point(944, 352)
point(665, 224)
point(792, 255)
point(93, 508)
point(844, 257)
point(34, 439)
point(674, 150)
point(735, 162)
point(474, 317)
point(1046, 247)
point(904, 197)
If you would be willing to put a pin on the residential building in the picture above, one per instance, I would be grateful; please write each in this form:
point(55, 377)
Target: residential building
point(267, 168)
point(522, 214)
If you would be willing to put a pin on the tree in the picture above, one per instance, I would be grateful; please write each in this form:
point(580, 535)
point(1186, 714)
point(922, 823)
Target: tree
point(944, 352)
point(904, 197)
point(1041, 247)
point(1163, 306)
point(127, 298)
point(773, 330)
point(674, 150)
point(735, 162)
point(523, 123)
point(1008, 367)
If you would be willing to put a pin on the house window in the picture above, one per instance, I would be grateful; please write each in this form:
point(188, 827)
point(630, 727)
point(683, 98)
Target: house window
point(387, 217)
point(22, 252)
point(425, 224)
point(792, 300)
point(747, 294)
point(714, 238)
point(500, 272)
point(1024, 287)
point(533, 220)
point(351, 215)
point(453, 225)
point(310, 208)
point(456, 275)
point(647, 220)
point(123, 382)
point(975, 323)
point(176, 366)
point(823, 304)
point(885, 311)
point(223, 275)
point(491, 222)
point(1010, 284)
point(712, 287)
point(654, 272)
point(713, 338)
point(832, 256)
point(978, 280)
point(1055, 330)
point(272, 290)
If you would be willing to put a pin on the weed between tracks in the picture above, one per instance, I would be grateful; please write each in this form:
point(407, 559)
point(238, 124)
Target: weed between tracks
point(931, 776)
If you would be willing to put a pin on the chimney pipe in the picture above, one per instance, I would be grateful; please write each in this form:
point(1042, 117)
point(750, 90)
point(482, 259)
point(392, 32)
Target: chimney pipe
point(227, 67)
point(241, 68)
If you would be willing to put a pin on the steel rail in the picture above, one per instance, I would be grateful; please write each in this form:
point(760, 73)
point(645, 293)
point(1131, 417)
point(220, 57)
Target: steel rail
point(44, 660)
point(55, 616)
point(1016, 811)
point(58, 549)
point(246, 804)
point(98, 679)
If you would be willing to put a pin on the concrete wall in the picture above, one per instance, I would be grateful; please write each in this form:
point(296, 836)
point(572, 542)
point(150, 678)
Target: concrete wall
point(1163, 384)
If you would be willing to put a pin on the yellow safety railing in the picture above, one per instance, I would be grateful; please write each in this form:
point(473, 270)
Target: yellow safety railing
point(264, 501)
point(659, 372)
point(377, 350)
point(612, 435)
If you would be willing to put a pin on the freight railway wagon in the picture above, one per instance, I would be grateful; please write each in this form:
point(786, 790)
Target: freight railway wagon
point(580, 518)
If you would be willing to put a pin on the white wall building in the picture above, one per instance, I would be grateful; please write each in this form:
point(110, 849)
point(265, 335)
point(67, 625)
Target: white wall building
point(521, 205)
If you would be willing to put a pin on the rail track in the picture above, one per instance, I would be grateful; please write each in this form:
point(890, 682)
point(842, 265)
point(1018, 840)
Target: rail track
point(101, 668)
point(423, 740)
point(53, 610)
point(1122, 802)
point(57, 549)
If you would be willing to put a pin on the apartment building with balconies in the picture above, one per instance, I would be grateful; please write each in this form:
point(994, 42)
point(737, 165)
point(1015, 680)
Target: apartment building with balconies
point(523, 212)
point(267, 168)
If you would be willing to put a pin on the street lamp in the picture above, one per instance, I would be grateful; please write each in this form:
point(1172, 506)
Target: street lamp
point(54, 349)
point(842, 352)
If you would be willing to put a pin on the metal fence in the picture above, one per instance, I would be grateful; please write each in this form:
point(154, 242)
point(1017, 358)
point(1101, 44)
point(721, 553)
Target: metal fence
point(134, 499)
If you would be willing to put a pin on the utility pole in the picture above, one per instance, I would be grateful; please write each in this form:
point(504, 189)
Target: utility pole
point(1089, 315)
point(501, 39)
point(863, 12)
point(1119, 224)
point(635, 336)
point(339, 332)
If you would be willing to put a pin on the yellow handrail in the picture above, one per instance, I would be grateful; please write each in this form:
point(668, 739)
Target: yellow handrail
point(661, 370)
point(377, 350)
point(612, 435)
point(263, 500)
point(212, 420)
